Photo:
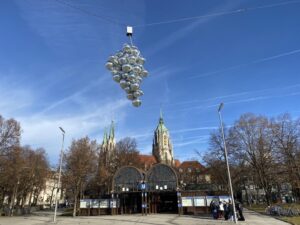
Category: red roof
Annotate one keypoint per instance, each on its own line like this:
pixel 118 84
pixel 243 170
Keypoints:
pixel 176 163
pixel 147 159
pixel 191 164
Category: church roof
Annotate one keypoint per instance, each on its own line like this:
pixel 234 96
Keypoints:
pixel 161 126
pixel 191 164
pixel 147 159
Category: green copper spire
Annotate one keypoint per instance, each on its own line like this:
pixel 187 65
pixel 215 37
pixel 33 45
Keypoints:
pixel 104 137
pixel 112 130
pixel 161 126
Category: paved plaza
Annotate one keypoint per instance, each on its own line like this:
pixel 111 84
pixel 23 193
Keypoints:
pixel 252 218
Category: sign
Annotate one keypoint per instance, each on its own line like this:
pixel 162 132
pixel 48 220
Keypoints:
pixel 84 203
pixel 113 203
pixel 187 201
pixel 95 203
pixel 104 203
pixel 199 201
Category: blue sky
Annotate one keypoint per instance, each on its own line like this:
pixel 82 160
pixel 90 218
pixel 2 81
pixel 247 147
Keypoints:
pixel 52 67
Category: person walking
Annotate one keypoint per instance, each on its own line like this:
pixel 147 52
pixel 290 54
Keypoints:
pixel 239 208
pixel 221 210
pixel 214 209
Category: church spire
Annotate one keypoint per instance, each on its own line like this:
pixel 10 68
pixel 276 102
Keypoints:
pixel 104 142
pixel 161 120
pixel 112 130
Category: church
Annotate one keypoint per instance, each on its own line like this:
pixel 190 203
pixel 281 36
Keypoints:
pixel 159 183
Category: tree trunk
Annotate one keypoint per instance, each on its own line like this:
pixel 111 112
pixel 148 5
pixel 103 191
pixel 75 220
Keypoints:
pixel 75 207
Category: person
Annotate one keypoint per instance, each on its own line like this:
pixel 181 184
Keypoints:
pixel 239 208
pixel 214 209
pixel 230 210
pixel 225 210
pixel 221 210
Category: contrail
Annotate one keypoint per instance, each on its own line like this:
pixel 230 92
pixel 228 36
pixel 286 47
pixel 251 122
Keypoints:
pixel 246 64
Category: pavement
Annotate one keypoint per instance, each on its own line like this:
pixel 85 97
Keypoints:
pixel 252 218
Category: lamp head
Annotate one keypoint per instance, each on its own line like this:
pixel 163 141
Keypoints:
pixel 221 107
pixel 62 130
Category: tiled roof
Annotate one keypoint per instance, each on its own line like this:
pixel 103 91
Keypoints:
pixel 191 164
pixel 176 163
pixel 147 159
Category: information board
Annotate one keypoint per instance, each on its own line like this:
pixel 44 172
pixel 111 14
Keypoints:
pixel 199 201
pixel 84 203
pixel 113 203
pixel 104 203
pixel 187 201
pixel 94 203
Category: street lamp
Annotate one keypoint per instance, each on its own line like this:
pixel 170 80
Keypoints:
pixel 227 164
pixel 59 174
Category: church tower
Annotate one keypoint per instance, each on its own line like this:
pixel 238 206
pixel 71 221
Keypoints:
pixel 162 148
pixel 109 144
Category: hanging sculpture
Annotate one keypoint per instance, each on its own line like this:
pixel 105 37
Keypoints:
pixel 127 69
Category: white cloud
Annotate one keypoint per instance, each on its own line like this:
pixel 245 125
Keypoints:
pixel 42 131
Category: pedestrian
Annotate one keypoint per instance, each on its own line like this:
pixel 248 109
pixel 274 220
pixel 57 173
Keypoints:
pixel 214 209
pixel 239 208
pixel 221 210
pixel 225 210
pixel 230 210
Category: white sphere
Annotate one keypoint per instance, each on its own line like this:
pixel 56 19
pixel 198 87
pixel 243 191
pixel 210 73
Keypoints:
pixel 136 102
pixel 134 86
pixel 109 65
pixel 144 73
pixel 122 60
pixel 132 59
pixel 140 60
pixel 137 69
pixel 130 96
pixel 127 89
pixel 123 84
pixel 117 78
pixel 126 68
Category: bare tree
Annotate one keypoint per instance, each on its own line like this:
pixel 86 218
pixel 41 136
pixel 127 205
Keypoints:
pixel 10 133
pixel 253 140
pixel 79 167
pixel 286 132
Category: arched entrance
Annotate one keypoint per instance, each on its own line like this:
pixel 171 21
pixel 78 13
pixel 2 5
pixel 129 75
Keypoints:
pixel 162 184
pixel 125 185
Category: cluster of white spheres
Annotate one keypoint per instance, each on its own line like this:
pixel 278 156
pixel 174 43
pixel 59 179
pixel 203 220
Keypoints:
pixel 127 69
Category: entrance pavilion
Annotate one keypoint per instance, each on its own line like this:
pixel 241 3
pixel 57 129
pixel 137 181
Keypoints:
pixel 152 192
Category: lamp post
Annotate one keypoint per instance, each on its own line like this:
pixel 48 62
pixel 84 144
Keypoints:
pixel 59 174
pixel 227 164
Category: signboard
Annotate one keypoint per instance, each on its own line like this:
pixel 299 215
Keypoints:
pixel 104 203
pixel 94 203
pixel 84 203
pixel 113 203
pixel 187 201
pixel 199 201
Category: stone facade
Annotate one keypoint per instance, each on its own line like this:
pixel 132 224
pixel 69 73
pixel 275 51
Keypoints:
pixel 162 148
